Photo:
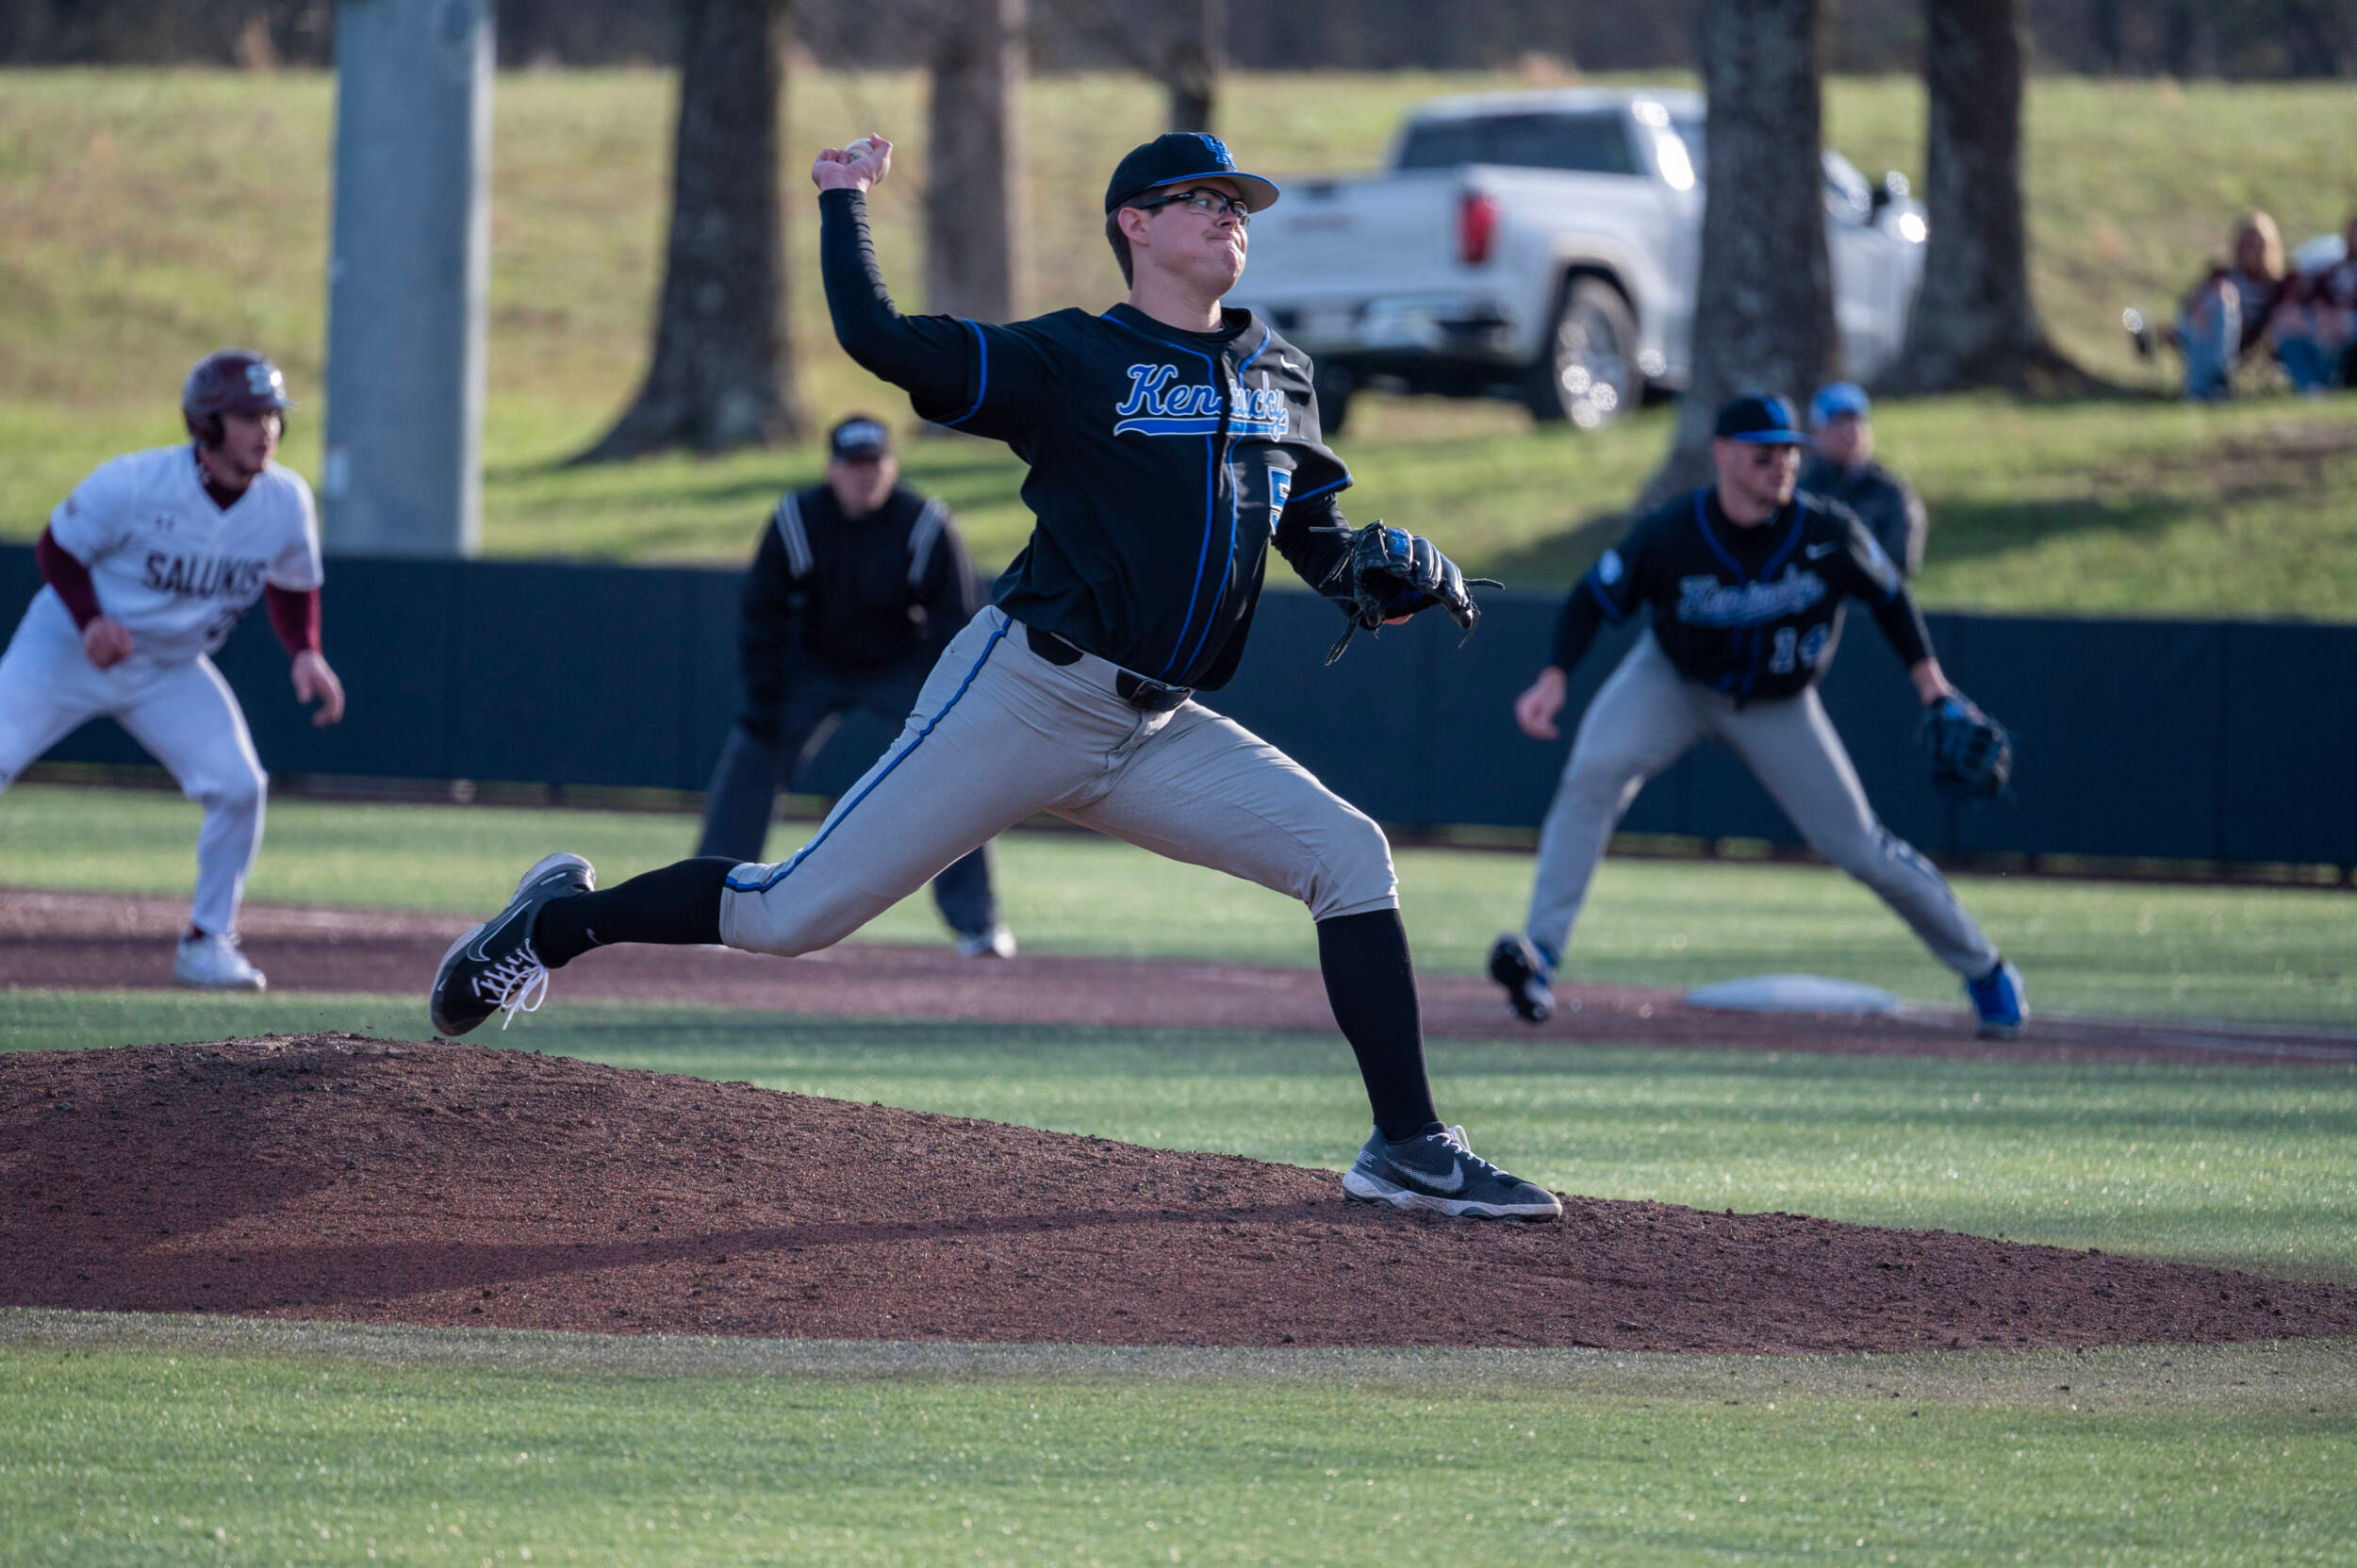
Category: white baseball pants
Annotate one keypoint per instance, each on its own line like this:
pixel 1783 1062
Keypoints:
pixel 1645 716
pixel 184 714
pixel 999 733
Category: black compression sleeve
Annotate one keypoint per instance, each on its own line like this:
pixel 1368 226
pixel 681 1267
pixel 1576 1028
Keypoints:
pixel 925 356
pixel 1577 627
pixel 1903 622
pixel 1313 552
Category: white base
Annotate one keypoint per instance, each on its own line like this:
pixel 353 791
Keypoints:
pixel 1792 994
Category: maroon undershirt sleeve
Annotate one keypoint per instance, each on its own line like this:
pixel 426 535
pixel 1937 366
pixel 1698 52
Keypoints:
pixel 69 577
pixel 295 617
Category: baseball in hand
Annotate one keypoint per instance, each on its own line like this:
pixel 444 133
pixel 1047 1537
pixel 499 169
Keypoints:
pixel 864 147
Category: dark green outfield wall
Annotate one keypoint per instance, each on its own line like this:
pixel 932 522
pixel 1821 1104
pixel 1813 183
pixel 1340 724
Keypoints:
pixel 2185 740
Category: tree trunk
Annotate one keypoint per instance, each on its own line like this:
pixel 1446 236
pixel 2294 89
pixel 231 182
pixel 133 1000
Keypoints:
pixel 1974 324
pixel 1763 313
pixel 722 374
pixel 1191 62
pixel 973 176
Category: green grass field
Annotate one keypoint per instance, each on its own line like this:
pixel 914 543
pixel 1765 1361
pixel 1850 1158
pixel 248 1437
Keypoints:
pixel 154 1443
pixel 146 217
pixel 138 1440
pixel 2121 948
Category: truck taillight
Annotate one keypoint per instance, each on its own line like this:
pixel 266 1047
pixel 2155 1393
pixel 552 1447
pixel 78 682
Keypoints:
pixel 1476 226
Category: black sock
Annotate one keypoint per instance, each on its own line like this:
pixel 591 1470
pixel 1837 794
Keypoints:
pixel 677 906
pixel 1372 986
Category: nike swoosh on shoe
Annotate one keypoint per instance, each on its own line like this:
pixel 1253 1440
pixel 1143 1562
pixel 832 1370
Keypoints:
pixel 476 951
pixel 1453 1182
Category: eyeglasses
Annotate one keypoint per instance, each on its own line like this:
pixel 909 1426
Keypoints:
pixel 1212 204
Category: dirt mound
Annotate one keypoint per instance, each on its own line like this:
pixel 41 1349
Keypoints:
pixel 331 1176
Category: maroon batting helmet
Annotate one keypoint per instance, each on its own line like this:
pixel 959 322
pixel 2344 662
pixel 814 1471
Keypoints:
pixel 232 381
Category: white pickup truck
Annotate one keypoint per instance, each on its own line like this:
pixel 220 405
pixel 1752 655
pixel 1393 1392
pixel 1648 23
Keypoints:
pixel 1543 246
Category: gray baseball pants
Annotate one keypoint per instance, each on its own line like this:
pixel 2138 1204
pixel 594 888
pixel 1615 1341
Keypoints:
pixel 1645 716
pixel 999 733
pixel 745 781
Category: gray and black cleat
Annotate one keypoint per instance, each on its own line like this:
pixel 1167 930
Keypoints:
pixel 493 967
pixel 1438 1172
pixel 1516 963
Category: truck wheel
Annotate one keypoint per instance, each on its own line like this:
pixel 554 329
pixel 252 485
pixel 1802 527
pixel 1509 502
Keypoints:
pixel 1589 372
pixel 1332 385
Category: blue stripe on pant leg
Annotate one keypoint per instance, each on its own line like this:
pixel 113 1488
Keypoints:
pixel 849 806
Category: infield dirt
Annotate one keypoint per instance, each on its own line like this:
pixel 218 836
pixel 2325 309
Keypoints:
pixel 63 940
pixel 330 1176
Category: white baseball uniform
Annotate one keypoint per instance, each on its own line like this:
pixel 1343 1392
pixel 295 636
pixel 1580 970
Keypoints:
pixel 179 571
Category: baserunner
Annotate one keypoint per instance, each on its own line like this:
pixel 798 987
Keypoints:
pixel 1171 443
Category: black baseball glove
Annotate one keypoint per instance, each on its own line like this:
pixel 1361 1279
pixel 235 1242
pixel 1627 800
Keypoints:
pixel 1388 572
pixel 1971 753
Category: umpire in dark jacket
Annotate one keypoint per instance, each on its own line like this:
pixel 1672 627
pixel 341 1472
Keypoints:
pixel 1841 467
pixel 858 585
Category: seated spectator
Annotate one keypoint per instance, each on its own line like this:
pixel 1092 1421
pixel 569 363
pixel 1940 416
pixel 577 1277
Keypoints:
pixel 2226 315
pixel 1841 467
pixel 2315 328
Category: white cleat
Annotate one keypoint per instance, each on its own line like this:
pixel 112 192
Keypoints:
pixel 998 942
pixel 213 963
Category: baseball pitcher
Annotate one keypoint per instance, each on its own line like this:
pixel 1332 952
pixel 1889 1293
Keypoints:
pixel 1173 445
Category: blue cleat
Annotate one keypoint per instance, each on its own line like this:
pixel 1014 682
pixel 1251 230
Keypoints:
pixel 1997 998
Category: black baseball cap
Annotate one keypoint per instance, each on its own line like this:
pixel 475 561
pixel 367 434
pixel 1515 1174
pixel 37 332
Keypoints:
pixel 859 436
pixel 1178 157
pixel 1759 420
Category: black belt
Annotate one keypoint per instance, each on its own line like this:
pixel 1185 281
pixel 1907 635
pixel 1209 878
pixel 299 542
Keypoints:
pixel 1140 693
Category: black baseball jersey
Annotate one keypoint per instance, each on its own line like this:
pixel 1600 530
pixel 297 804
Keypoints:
pixel 1754 611
pixel 1887 504
pixel 1164 463
pixel 851 593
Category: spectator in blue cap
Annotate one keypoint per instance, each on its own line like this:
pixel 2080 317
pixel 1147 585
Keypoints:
pixel 1841 467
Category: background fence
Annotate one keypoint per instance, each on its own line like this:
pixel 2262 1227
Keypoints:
pixel 2181 740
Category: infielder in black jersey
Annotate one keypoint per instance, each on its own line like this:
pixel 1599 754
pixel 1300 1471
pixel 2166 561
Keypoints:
pixel 1172 443
pixel 1746 582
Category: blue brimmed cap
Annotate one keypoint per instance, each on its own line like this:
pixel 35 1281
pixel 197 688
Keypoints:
pixel 1836 398
pixel 1176 157
pixel 1760 420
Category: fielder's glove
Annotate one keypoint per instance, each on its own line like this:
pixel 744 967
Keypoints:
pixel 1389 572
pixel 1971 753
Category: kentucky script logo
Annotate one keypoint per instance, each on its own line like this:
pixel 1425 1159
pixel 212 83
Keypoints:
pixel 1707 601
pixel 1160 403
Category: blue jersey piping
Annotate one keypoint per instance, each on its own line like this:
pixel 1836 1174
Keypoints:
pixel 1612 612
pixel 1211 489
pixel 981 388
pixel 1235 500
pixel 844 810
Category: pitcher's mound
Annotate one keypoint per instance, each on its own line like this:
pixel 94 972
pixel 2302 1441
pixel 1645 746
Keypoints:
pixel 332 1176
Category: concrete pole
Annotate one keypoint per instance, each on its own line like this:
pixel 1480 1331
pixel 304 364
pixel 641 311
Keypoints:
pixel 409 277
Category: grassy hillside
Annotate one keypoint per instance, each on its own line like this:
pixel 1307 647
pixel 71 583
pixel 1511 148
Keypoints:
pixel 146 217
